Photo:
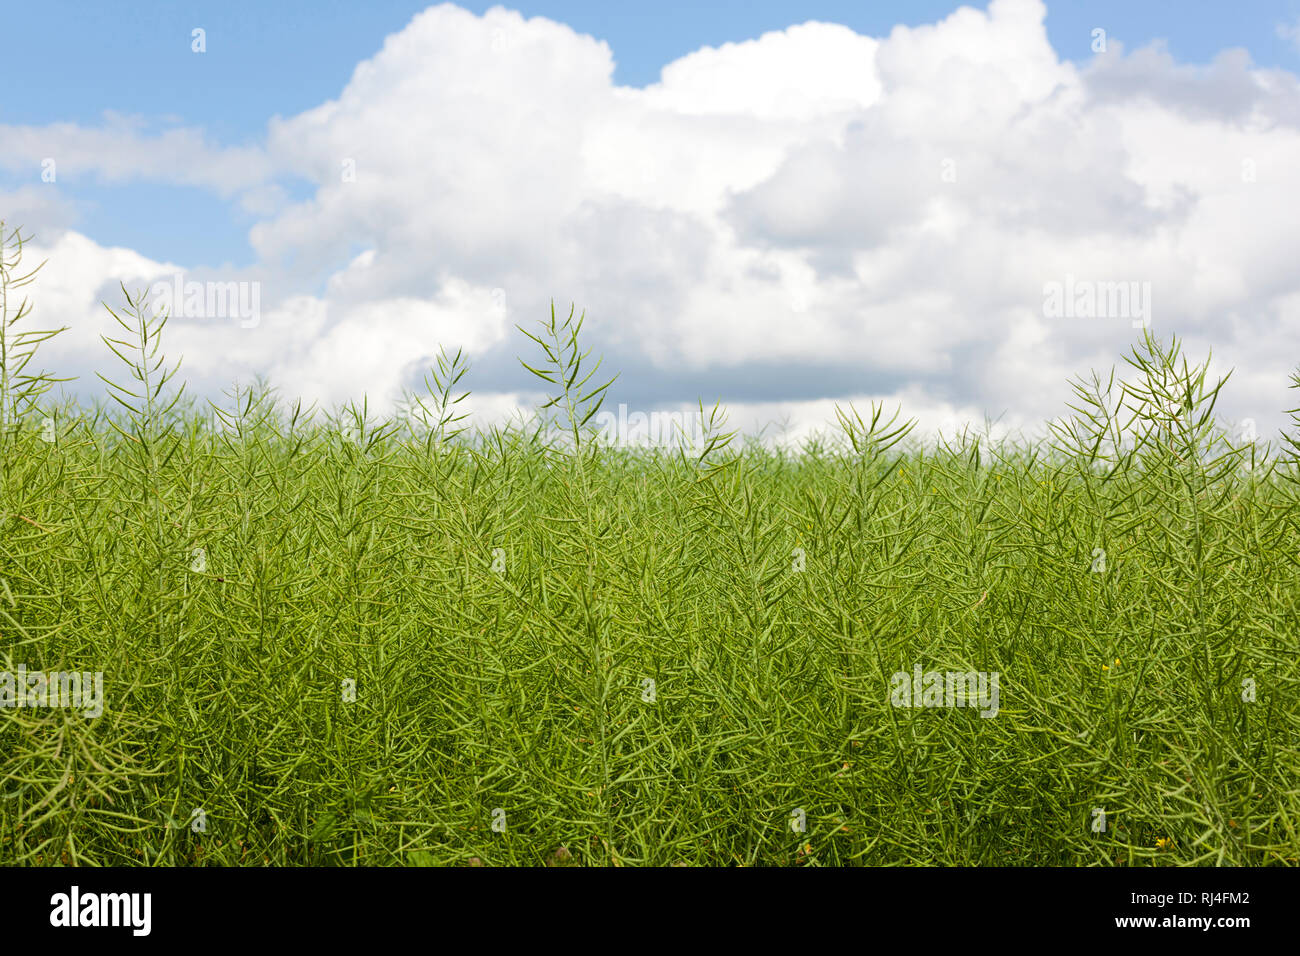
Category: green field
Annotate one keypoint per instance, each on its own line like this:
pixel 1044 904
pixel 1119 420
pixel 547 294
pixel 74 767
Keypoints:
pixel 328 640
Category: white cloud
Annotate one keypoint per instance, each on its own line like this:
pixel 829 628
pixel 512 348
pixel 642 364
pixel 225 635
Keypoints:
pixel 843 215
pixel 122 151
pixel 36 204
pixel 799 73
pixel 379 345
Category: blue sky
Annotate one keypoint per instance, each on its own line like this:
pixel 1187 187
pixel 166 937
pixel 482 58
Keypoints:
pixel 79 58
pixel 777 216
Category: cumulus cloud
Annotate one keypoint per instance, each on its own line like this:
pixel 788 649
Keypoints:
pixel 31 204
pixel 1228 90
pixel 807 217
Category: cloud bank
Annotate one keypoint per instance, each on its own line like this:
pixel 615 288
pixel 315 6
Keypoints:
pixel 806 218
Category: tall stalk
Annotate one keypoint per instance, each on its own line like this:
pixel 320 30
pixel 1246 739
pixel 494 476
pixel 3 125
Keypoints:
pixel 19 389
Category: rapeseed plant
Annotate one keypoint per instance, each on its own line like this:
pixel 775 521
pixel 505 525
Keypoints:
pixel 413 643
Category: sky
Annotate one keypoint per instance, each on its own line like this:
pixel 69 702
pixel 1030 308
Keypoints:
pixel 783 207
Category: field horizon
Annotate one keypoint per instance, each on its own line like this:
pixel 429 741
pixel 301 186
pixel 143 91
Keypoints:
pixel 252 635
